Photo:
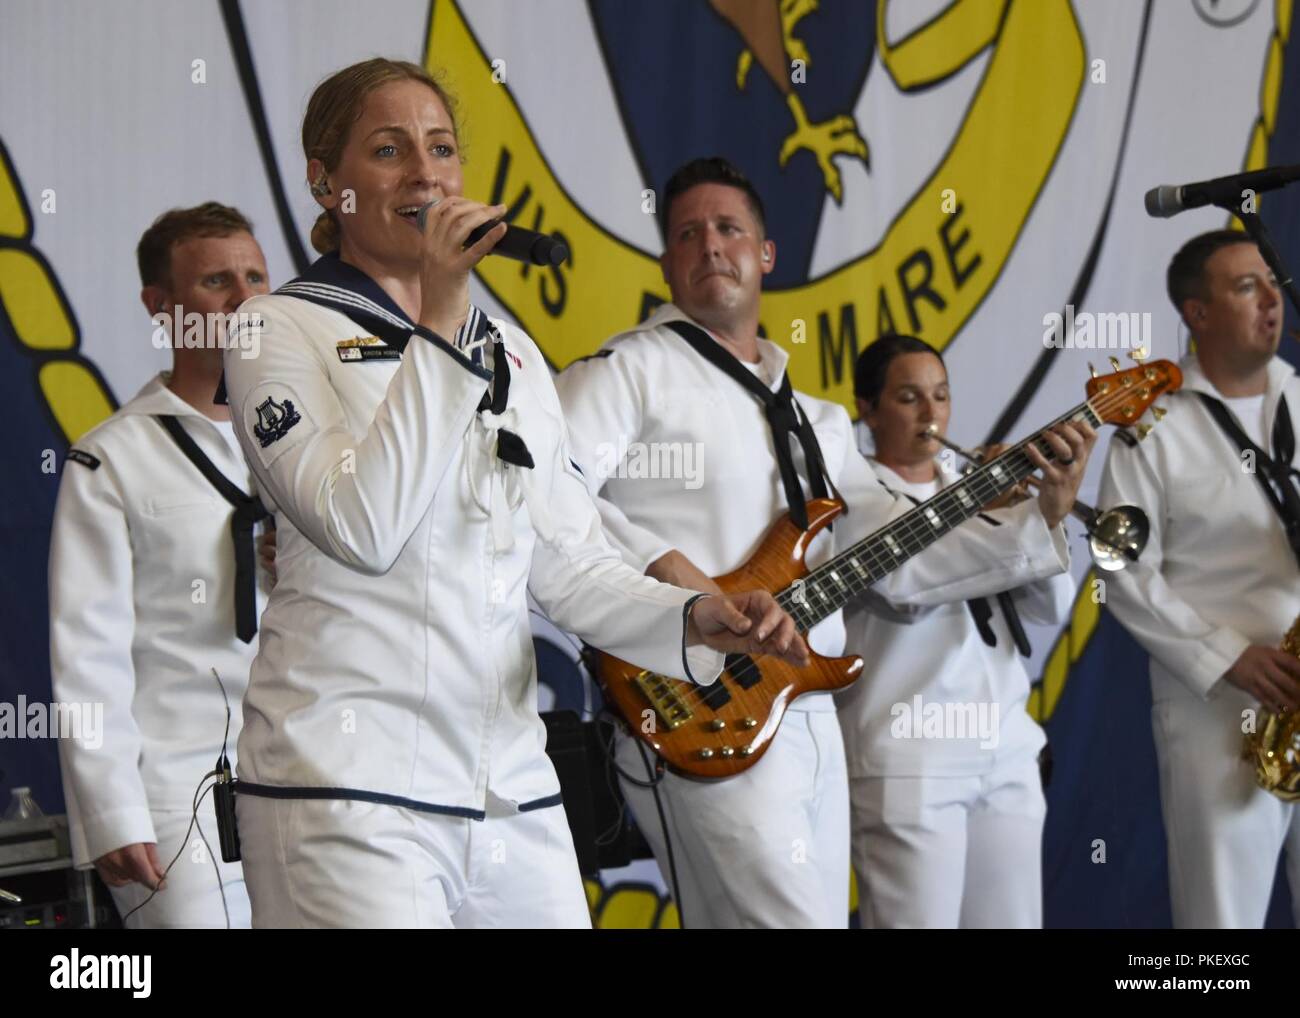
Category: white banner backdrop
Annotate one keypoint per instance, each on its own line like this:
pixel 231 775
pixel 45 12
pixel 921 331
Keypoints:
pixel 1010 144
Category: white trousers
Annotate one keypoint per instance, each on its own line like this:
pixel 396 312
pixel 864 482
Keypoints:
pixel 192 896
pixel 1224 833
pixel 950 852
pixel 766 848
pixel 351 864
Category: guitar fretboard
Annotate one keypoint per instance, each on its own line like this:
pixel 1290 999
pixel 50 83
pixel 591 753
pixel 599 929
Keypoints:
pixel 826 589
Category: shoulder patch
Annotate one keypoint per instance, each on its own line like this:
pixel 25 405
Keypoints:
pixel 274 420
pixel 84 458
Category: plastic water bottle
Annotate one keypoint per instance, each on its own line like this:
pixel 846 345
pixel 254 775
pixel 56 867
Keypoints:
pixel 22 806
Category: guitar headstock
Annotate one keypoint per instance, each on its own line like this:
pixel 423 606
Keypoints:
pixel 1122 397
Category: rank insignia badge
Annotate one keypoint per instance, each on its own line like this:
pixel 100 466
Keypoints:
pixel 365 348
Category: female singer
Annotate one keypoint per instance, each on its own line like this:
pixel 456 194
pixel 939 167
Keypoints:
pixel 392 768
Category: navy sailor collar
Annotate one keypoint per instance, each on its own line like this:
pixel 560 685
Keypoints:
pixel 333 283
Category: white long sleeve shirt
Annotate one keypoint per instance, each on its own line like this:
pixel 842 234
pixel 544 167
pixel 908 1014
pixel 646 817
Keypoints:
pixel 647 400
pixel 396 662
pixel 937 653
pixel 142 582
pixel 1217 574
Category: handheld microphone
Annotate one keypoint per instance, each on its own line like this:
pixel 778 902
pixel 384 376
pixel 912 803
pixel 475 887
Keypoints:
pixel 1166 200
pixel 518 243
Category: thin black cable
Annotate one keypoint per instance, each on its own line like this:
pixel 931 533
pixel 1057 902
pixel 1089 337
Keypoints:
pixel 611 833
pixel 216 867
pixel 225 738
pixel 199 793
pixel 609 755
pixel 668 841
pixel 656 776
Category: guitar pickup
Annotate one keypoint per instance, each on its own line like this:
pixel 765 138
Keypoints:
pixel 715 695
pixel 743 671
pixel 664 698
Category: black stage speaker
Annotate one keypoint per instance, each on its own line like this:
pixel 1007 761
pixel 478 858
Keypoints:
pixel 603 832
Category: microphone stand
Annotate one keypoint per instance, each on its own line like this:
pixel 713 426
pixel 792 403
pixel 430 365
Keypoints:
pixel 1260 235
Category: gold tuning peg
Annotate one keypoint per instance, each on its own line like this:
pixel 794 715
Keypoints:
pixel 1092 369
pixel 1140 354
pixel 1114 363
pixel 1158 412
pixel 1143 430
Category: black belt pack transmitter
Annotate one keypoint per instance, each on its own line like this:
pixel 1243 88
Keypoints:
pixel 223 797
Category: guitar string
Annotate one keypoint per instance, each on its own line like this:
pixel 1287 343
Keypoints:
pixel 1098 406
pixel 912 530
pixel 916 531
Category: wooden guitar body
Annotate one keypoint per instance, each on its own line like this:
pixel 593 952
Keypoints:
pixel 713 732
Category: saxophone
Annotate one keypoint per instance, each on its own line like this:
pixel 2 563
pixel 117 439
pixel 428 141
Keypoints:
pixel 1274 746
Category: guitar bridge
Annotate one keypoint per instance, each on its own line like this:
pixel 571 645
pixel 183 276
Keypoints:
pixel 664 698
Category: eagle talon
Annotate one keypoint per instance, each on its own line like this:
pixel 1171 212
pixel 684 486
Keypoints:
pixel 743 63
pixel 837 136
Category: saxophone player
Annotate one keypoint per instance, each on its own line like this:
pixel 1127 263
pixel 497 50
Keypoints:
pixel 1216 586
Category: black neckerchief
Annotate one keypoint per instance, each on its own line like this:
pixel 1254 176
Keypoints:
pixel 248 511
pixel 783 417
pixel 510 447
pixel 1274 473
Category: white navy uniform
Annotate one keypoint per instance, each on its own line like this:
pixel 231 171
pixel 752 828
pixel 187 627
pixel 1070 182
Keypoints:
pixel 947 822
pixel 142 608
pixel 1217 575
pixel 392 767
pixel 768 847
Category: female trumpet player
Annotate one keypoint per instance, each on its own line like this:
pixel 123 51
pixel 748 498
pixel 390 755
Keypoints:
pixel 392 768
pixel 947 805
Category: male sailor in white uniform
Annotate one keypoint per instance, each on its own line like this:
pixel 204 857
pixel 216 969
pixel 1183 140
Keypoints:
pixel 768 847
pixel 1218 585
pixel 154 583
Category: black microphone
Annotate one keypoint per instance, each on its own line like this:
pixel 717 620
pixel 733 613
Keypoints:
pixel 518 243
pixel 1166 200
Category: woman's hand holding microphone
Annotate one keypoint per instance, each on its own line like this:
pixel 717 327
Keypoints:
pixel 445 262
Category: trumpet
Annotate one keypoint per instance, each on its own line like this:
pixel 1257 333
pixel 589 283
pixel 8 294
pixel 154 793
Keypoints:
pixel 1116 536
